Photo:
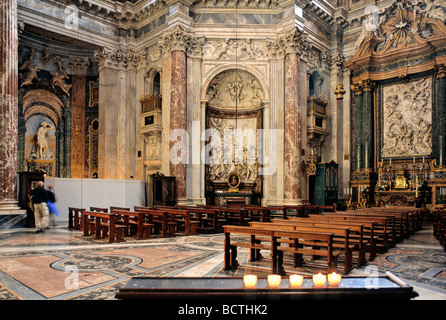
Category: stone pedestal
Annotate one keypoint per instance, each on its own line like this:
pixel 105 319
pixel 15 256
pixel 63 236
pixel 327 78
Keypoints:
pixel 8 106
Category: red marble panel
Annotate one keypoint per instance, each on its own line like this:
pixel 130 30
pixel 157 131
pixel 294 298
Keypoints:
pixel 178 114
pixel 292 128
pixel 8 98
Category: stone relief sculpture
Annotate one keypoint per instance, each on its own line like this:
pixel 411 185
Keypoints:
pixel 235 87
pixel 434 9
pixel 221 162
pixel 407 116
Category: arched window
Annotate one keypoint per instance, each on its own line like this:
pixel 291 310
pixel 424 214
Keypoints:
pixel 157 83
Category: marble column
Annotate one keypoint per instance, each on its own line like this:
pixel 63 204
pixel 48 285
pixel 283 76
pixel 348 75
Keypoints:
pixel 178 116
pixel 8 105
pixel 367 126
pixel 357 89
pixel 441 116
pixel 293 144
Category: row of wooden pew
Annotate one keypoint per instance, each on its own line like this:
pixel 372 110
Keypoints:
pixel 440 227
pixel 350 236
pixel 117 222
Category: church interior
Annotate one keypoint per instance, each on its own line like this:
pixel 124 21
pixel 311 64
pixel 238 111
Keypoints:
pixel 221 139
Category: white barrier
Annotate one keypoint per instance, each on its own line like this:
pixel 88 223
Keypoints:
pixel 83 193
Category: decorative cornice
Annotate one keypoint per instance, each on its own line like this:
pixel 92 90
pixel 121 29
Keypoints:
pixel 239 4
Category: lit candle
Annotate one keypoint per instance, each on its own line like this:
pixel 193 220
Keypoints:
pixel 319 280
pixel 296 280
pixel 414 160
pixel 334 279
pixel 390 161
pixel 250 281
pixel 274 280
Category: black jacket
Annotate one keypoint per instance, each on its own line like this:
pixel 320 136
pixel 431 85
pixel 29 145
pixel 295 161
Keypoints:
pixel 39 195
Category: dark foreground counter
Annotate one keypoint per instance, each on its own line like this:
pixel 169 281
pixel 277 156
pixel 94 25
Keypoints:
pixel 387 287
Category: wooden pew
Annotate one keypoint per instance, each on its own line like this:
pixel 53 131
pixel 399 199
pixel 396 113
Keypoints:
pixel 209 220
pixel 98 209
pixel 323 242
pixel 160 219
pixel 234 215
pixel 439 227
pixel 385 226
pixel 132 220
pixel 184 219
pixel 341 236
pixel 230 249
pixel 75 218
pixel 105 224
pixel 257 213
pixel 362 233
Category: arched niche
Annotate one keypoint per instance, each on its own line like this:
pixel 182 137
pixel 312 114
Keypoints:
pixel 234 99
pixel 42 107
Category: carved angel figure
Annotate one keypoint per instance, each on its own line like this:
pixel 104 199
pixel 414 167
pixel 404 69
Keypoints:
pixel 59 80
pixel 29 76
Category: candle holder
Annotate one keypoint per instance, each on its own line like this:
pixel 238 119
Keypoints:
pixel 334 279
pixel 349 196
pixel 250 281
pixel 274 281
pixel 296 280
pixel 319 280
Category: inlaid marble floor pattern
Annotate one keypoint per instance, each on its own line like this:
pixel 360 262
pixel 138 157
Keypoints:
pixel 61 264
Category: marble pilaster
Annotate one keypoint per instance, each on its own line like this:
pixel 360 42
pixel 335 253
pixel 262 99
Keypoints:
pixel 367 126
pixel 293 138
pixel 8 105
pixel 358 91
pixel 441 117
pixel 117 114
pixel 178 115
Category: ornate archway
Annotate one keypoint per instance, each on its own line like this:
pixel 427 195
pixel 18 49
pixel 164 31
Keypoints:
pixel 234 114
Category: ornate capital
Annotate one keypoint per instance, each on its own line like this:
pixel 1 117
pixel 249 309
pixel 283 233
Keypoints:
pixel 441 71
pixel 357 88
pixel 368 85
pixel 179 38
pixel 117 59
pixel 292 41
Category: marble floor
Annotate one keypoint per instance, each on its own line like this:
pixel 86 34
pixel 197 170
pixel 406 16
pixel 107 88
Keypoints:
pixel 62 264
